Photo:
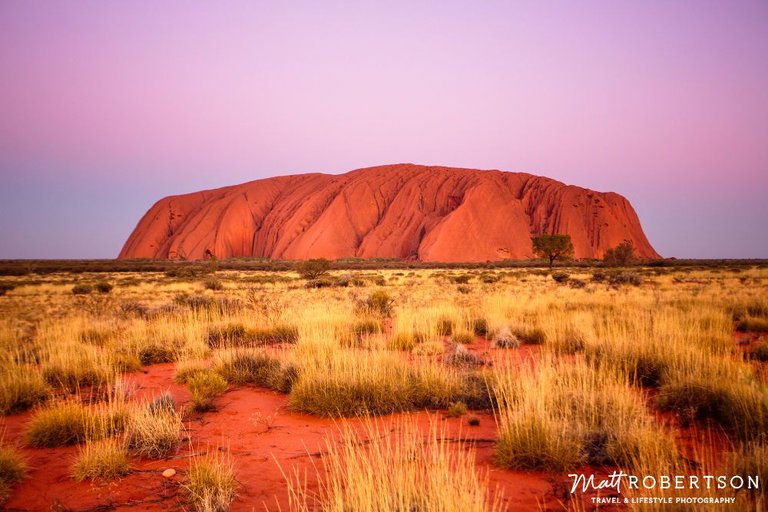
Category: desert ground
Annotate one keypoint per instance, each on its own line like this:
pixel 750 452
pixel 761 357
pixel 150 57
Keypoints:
pixel 379 389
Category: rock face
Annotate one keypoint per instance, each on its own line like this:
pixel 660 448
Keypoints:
pixel 394 211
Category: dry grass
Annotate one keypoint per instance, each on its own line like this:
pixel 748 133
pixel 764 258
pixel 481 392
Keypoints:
pixel 211 486
pixel 12 470
pixel 395 467
pixel 560 415
pixel 101 460
pixel 364 350
pixel 153 432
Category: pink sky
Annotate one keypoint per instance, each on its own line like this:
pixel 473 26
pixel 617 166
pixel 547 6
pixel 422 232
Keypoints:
pixel 107 106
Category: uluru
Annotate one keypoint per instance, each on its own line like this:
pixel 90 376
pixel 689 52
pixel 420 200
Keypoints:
pixel 404 211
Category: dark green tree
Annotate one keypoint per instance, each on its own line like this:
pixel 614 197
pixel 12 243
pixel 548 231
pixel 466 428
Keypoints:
pixel 621 255
pixel 553 247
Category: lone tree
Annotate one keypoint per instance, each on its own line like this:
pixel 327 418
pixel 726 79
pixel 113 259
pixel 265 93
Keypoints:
pixel 620 255
pixel 313 269
pixel 553 247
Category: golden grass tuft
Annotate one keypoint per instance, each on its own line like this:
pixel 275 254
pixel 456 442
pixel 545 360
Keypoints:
pixel 101 460
pixel 395 467
pixel 211 486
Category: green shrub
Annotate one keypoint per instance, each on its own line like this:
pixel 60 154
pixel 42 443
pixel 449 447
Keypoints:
pixel 560 277
pixel 5 288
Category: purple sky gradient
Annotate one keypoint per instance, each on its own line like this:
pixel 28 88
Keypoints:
pixel 107 106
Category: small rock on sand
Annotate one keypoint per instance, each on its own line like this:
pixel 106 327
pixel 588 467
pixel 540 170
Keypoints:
pixel 168 473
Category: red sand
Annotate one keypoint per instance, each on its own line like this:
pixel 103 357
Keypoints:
pixel 258 430
pixel 394 211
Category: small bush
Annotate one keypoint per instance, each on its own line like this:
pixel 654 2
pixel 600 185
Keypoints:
pixel 463 337
pixel 12 470
pixel 571 343
pixel 599 277
pixel 480 326
pixel 212 486
pixel 102 460
pixel 462 357
pixel 367 327
pixel 20 389
pixel 282 333
pixel 531 335
pixel 464 289
pixel 156 354
pixel 428 348
pixel 205 386
pixel 313 269
pixel 195 302
pixel 457 409
pixel 213 283
pixel 81 289
pixel 729 404
pixel 73 375
pixel 576 283
pixel 444 327
pixel 505 339
pixel 760 351
pixel 753 325
pixel 625 278
pixel 750 460
pixel 229 335
pixel 5 288
pixel 61 424
pixel 153 434
pixel 96 337
pixel 377 303
pixel 257 368
pixel 560 277
pixel 163 404
pixel 103 287
pixel 134 308
pixel 461 279
pixel 405 341
pixel 123 362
